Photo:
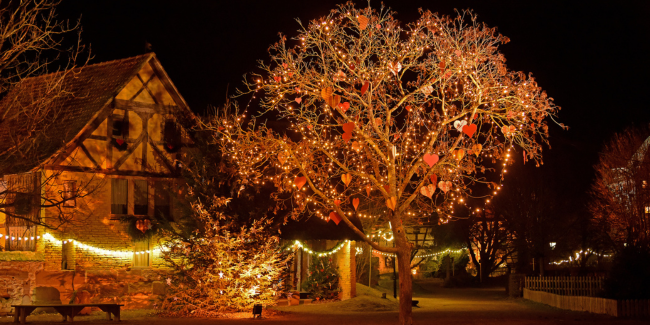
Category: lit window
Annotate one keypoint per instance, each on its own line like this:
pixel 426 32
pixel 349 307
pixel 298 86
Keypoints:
pixel 119 195
pixel 140 198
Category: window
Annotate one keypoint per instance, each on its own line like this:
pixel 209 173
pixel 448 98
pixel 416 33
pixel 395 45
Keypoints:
pixel 140 256
pixel 67 255
pixel 69 194
pixel 172 136
pixel 162 209
pixel 120 127
pixel 140 197
pixel 119 196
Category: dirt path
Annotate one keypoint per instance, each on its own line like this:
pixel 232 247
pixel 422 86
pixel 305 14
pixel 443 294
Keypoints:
pixel 440 306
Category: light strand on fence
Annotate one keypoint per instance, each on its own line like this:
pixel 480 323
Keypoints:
pixel 98 250
pixel 297 244
pixel 447 251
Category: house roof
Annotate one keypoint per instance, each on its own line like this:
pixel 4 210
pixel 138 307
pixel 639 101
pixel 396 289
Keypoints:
pixel 86 91
pixel 317 228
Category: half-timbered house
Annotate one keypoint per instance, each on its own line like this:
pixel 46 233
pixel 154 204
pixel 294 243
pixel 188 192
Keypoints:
pixel 110 151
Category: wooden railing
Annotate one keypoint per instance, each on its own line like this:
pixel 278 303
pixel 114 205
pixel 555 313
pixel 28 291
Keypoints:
pixel 566 286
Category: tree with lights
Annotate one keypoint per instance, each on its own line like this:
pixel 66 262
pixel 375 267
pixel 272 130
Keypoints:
pixel 621 194
pixel 222 266
pixel 405 118
pixel 323 280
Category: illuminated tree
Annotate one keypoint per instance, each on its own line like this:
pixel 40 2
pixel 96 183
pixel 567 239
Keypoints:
pixel 223 266
pixel 381 115
pixel 621 194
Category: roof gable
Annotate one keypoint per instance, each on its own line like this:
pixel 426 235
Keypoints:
pixel 87 91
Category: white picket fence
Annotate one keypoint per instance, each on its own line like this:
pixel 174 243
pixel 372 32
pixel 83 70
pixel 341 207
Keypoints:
pixel 616 308
pixel 566 286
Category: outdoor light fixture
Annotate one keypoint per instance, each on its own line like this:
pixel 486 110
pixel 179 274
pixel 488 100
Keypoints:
pixel 552 244
pixel 257 311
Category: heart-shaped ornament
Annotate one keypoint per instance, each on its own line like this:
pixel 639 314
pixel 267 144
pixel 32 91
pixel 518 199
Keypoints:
pixel 444 186
pixel 459 125
pixel 119 141
pixel 408 108
pixel 298 100
pixel 284 65
pixel 277 79
pixel 346 178
pixel 363 22
pixel 355 203
pixel 391 203
pixel 427 90
pixel 326 93
pixel 297 89
pixel 335 217
pixel 344 106
pixel 364 88
pixel 430 159
pixel 368 189
pixel 427 190
pixel 300 181
pixel 469 129
pixel 459 154
pixel 337 202
pixel 334 101
pixel 434 179
pixel 356 145
pixel 348 127
pixel 476 149
pixel 282 158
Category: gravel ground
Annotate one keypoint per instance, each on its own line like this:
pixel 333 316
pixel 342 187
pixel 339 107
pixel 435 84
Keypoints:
pixel 438 306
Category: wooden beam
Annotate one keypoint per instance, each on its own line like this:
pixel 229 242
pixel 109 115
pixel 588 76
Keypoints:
pixel 143 107
pixel 85 150
pixel 108 171
pixel 129 151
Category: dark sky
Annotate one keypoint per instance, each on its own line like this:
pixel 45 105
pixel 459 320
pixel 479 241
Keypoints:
pixel 591 56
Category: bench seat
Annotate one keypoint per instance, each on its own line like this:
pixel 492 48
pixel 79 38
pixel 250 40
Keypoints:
pixel 67 311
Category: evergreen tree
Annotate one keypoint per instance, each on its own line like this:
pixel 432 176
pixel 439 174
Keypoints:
pixel 323 281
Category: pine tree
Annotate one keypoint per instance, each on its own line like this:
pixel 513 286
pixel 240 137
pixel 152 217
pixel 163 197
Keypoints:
pixel 323 281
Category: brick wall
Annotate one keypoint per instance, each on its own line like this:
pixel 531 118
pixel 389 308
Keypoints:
pixel 346 262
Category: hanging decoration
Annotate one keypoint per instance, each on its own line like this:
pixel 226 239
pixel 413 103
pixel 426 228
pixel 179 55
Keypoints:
pixel 300 181
pixel 430 159
pixel 98 250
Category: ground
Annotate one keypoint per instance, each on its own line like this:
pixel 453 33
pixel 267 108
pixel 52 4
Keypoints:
pixel 440 306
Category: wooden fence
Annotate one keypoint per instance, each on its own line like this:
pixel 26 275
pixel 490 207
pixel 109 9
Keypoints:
pixel 566 286
pixel 616 308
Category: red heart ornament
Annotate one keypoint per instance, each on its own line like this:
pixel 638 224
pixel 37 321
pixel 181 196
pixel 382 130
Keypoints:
pixel 434 179
pixel 408 108
pixel 364 88
pixel 277 78
pixel 119 141
pixel 335 217
pixel 430 159
pixel 368 189
pixel 469 129
pixel 300 181
pixel 337 202
pixel 352 67
pixel 344 106
pixel 355 203
pixel 348 127
pixel 298 100
pixel 346 136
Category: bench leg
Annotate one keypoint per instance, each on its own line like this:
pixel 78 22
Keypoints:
pixel 16 314
pixel 23 315
pixel 108 315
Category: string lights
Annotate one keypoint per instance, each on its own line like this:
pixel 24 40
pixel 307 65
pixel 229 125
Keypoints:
pixel 447 251
pixel 48 237
pixel 297 244
pixel 579 255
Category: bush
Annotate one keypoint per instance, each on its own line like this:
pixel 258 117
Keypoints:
pixel 629 277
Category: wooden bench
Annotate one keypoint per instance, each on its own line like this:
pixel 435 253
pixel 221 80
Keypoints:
pixel 22 311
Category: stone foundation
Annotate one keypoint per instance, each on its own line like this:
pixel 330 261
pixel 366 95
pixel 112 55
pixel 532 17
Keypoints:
pixel 135 288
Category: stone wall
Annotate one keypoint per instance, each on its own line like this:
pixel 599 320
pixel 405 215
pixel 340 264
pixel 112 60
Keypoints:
pixel 21 281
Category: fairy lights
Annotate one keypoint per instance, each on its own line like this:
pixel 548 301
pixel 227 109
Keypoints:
pixel 48 237
pixel 578 255
pixel 297 244
pixel 447 251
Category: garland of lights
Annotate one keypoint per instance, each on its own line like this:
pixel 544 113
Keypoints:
pixel 98 250
pixel 425 255
pixel 578 255
pixel 297 244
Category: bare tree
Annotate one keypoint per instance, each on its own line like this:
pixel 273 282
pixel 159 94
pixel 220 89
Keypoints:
pixel 381 114
pixel 34 68
pixel 621 193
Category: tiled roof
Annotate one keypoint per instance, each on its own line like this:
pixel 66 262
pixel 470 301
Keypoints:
pixel 86 91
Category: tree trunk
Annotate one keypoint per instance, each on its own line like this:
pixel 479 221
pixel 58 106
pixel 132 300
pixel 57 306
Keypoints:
pixel 405 280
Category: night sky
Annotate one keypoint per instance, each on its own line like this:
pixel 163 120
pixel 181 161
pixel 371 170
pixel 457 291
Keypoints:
pixel 591 56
